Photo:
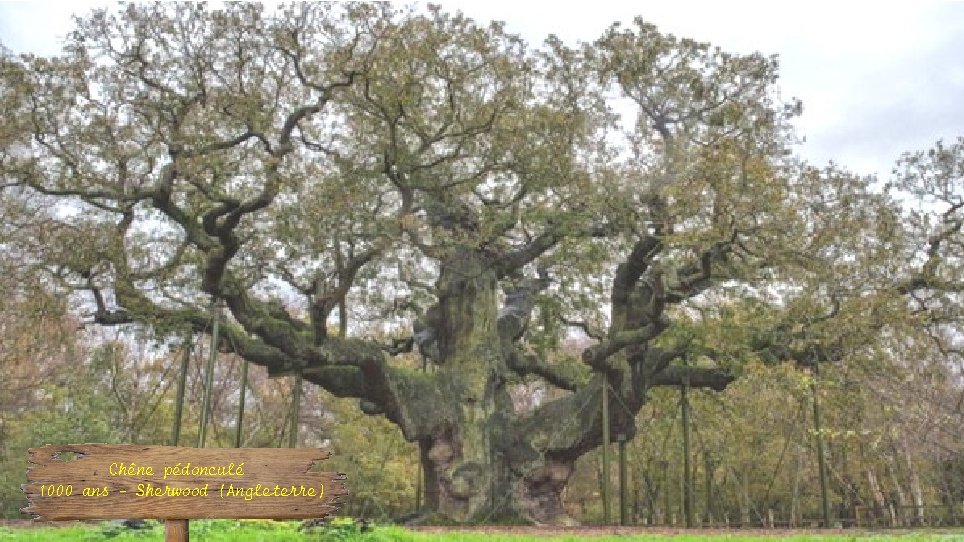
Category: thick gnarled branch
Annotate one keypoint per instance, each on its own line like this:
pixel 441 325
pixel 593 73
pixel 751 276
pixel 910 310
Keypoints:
pixel 525 364
pixel 696 377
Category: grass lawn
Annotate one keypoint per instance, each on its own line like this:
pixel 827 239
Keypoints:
pixel 258 530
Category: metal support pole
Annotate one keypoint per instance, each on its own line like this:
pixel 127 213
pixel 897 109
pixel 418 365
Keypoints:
pixel 295 411
pixel 181 385
pixel 418 484
pixel 243 392
pixel 419 474
pixel 623 486
pixel 687 468
pixel 821 455
pixel 605 449
pixel 708 465
pixel 209 375
pixel 664 468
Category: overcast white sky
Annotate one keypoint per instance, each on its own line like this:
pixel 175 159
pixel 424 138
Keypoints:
pixel 876 78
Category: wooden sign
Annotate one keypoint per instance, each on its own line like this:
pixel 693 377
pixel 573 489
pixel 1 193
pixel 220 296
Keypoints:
pixel 116 481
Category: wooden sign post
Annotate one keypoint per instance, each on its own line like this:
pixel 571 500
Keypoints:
pixel 121 481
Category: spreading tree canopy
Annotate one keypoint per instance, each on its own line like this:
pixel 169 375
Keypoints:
pixel 320 168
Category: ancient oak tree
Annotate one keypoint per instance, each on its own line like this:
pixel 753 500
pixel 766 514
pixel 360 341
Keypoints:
pixel 319 160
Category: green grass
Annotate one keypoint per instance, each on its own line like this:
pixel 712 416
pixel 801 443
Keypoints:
pixel 261 530
pixel 407 536
pixel 480 537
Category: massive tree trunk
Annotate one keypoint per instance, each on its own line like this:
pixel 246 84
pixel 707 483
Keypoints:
pixel 464 469
pixel 481 459
pixel 478 465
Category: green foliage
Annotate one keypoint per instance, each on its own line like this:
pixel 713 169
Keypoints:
pixel 381 464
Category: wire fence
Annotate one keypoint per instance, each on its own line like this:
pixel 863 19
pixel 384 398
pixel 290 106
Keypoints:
pixel 864 517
